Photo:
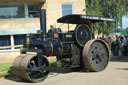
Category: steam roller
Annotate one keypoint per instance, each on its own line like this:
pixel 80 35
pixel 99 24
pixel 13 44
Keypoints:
pixel 25 67
pixel 75 48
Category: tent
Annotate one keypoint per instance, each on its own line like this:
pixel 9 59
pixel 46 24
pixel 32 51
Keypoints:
pixel 124 33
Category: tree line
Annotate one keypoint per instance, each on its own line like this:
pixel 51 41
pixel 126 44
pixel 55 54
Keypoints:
pixel 115 9
pixel 121 30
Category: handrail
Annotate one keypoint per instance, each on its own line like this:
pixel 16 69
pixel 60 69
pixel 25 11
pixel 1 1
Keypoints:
pixel 16 46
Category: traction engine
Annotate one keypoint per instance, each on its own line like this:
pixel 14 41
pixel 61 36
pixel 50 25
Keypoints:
pixel 76 47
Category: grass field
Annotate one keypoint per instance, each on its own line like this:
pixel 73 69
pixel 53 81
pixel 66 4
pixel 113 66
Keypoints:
pixel 5 68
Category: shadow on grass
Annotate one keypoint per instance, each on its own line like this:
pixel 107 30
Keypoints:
pixel 8 73
pixel 10 76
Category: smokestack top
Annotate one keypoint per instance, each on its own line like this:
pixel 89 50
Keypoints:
pixel 43 22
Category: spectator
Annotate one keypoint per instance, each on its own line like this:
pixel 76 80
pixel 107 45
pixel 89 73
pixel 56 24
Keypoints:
pixel 117 45
pixel 113 46
pixel 127 46
pixel 123 44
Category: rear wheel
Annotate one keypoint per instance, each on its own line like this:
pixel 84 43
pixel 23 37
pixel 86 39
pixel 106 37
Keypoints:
pixel 96 55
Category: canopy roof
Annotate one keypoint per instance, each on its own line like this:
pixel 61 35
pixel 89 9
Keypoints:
pixel 81 19
pixel 124 33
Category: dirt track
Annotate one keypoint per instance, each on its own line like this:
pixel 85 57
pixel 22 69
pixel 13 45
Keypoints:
pixel 115 74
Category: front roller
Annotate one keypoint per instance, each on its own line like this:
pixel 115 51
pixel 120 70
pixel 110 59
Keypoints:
pixel 95 55
pixel 26 67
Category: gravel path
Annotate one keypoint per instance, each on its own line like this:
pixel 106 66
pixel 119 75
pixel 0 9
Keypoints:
pixel 115 74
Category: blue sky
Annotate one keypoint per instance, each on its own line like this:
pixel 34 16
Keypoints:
pixel 125 22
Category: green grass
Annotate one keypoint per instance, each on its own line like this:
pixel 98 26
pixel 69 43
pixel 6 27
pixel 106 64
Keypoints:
pixel 7 74
pixel 53 63
pixel 5 70
pixel 5 66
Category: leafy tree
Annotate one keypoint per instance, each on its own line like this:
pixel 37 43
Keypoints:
pixel 126 29
pixel 119 30
pixel 107 8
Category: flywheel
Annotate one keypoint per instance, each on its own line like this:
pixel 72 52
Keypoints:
pixel 82 34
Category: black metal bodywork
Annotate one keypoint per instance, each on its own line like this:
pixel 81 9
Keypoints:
pixel 68 47
pixel 63 45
